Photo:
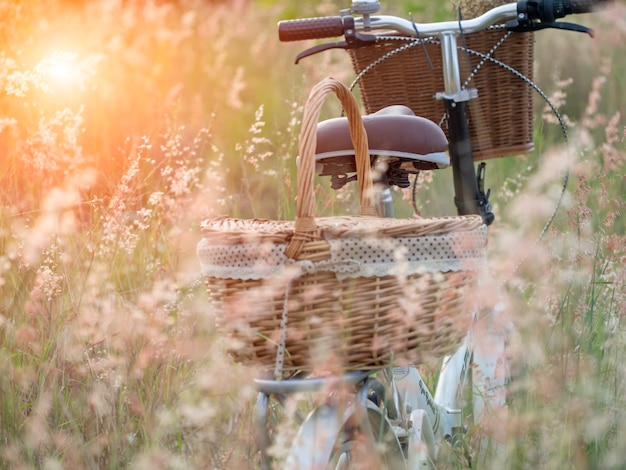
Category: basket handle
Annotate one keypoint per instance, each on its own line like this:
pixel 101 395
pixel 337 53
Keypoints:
pixel 305 226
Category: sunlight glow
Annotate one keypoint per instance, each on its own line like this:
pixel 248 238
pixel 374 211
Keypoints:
pixel 61 69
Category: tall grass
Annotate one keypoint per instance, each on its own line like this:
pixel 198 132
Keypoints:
pixel 568 299
pixel 123 124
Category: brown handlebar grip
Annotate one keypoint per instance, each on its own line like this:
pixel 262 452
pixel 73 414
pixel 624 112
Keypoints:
pixel 310 28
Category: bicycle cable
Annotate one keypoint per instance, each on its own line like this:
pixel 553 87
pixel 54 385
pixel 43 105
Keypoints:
pixel 557 114
pixel 412 42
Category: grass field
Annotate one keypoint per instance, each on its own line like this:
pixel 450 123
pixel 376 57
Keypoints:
pixel 124 124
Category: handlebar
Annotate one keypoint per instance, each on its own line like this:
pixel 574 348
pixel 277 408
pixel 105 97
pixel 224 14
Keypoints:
pixel 546 11
pixel 316 28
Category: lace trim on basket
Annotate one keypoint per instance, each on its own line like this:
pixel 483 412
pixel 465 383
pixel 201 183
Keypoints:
pixel 350 257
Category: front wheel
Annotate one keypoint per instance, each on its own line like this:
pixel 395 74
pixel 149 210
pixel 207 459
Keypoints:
pixel 352 439
pixel 371 443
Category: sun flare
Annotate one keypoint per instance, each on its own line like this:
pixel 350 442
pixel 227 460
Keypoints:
pixel 62 71
pixel 61 68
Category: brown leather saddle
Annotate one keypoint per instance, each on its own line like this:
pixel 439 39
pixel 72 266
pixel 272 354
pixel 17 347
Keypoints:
pixel 400 141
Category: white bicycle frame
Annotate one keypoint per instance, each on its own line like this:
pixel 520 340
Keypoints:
pixel 420 422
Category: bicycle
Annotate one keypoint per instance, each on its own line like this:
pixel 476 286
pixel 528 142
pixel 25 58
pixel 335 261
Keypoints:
pixel 391 416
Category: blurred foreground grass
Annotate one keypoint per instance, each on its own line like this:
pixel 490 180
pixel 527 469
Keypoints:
pixel 123 124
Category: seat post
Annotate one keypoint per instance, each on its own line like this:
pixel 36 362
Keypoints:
pixel 384 201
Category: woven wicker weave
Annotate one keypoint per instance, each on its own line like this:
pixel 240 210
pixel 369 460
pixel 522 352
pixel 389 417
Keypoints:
pixel 350 292
pixel 501 118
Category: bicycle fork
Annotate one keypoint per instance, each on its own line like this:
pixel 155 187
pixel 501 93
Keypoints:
pixel 427 420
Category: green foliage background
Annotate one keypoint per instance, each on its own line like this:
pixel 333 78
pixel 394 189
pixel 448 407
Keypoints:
pixel 124 123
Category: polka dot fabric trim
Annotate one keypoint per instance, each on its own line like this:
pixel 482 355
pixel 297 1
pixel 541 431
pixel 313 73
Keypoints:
pixel 363 256
pixel 241 261
pixel 405 256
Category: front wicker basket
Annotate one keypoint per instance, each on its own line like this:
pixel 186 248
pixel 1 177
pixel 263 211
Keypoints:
pixel 501 118
pixel 341 293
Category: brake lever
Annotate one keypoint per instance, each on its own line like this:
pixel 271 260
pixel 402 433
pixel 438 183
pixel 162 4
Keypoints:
pixel 353 40
pixel 321 48
pixel 530 26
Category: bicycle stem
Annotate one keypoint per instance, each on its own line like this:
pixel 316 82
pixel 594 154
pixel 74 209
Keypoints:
pixel 469 196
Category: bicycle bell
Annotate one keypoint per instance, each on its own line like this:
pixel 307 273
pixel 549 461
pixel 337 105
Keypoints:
pixel 365 7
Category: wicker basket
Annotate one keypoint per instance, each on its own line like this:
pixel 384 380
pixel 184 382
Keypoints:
pixel 349 292
pixel 501 118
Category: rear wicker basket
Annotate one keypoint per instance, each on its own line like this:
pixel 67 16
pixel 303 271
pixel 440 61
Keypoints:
pixel 501 119
pixel 345 293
